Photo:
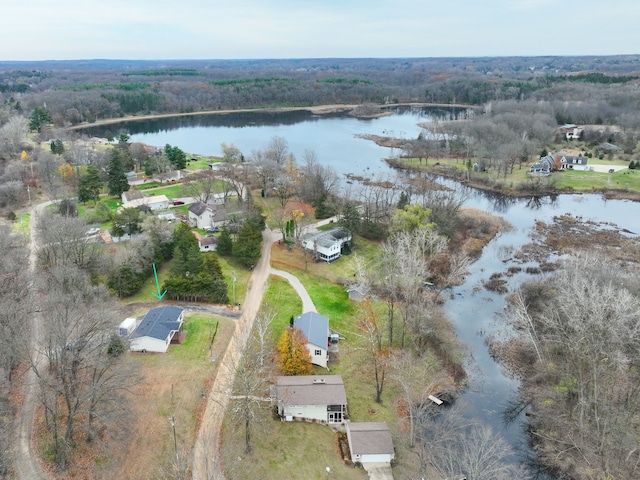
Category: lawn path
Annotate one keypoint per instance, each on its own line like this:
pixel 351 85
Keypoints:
pixel 307 303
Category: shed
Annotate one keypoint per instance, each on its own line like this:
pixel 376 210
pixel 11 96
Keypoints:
pixel 358 292
pixel 370 442
pixel 127 327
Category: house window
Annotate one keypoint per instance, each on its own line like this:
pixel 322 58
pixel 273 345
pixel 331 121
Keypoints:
pixel 317 353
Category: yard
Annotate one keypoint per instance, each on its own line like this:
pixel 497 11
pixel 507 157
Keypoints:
pixel 299 450
pixel 600 180
pixel 167 386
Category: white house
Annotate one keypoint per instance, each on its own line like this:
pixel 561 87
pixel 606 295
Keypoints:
pixel 316 328
pixel 326 245
pixel 155 202
pixel 206 216
pixel 217 199
pixel 370 442
pixel 319 398
pixel 157 329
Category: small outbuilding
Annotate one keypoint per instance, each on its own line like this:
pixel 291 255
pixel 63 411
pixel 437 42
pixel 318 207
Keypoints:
pixel 358 292
pixel 208 244
pixel 127 327
pixel 157 329
pixel 370 442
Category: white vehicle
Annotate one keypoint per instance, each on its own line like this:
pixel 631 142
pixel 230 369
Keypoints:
pixel 93 231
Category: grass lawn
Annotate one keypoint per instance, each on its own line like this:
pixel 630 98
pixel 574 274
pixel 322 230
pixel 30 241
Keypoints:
pixel 170 385
pixel 170 191
pixel 572 179
pixel 580 180
pixel 146 186
pixel 200 162
pixel 21 224
pixel 288 450
pixel 283 299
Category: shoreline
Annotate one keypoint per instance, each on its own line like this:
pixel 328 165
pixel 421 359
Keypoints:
pixel 314 109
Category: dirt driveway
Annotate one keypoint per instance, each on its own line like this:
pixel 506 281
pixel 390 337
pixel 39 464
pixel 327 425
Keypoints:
pixel 206 464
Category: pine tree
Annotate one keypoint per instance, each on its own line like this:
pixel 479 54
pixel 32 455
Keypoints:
pixel 117 178
pixel 247 245
pixel 293 354
pixel 90 185
pixel 225 243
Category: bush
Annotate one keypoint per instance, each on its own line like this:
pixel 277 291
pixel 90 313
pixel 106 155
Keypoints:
pixel 11 216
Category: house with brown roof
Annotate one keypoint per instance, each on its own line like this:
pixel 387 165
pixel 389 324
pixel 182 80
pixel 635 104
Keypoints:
pixel 315 398
pixel 370 442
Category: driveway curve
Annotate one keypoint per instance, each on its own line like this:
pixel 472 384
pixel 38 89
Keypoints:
pixel 307 303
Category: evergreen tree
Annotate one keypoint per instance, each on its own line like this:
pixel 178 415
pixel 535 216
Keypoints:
pixel 324 209
pixel 90 185
pixel 225 243
pixel 116 174
pixel 403 201
pixel 350 219
pixel 293 354
pixel 38 118
pixel 187 260
pixel 127 221
pixel 247 245
pixel 176 157
pixel 56 146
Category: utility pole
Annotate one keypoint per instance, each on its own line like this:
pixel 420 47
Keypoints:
pixel 175 441
pixel 234 286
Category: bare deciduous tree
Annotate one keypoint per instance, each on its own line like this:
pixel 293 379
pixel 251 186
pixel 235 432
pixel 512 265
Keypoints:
pixel 81 379
pixel 63 242
pixel 454 447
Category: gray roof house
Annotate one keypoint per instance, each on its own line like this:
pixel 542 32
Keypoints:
pixel 157 329
pixel 370 442
pixel 206 216
pixel 316 328
pixel 318 398
pixel 326 245
pixel 131 195
pixel 558 161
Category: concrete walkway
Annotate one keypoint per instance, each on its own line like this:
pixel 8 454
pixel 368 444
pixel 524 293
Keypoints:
pixel 378 471
pixel 307 303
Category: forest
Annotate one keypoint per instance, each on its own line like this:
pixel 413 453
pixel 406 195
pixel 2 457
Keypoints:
pixel 514 108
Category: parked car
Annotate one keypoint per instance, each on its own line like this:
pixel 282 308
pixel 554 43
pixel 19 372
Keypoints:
pixel 211 229
pixel 92 231
pixel 177 202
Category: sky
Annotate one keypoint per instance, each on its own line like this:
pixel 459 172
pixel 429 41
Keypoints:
pixel 256 29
